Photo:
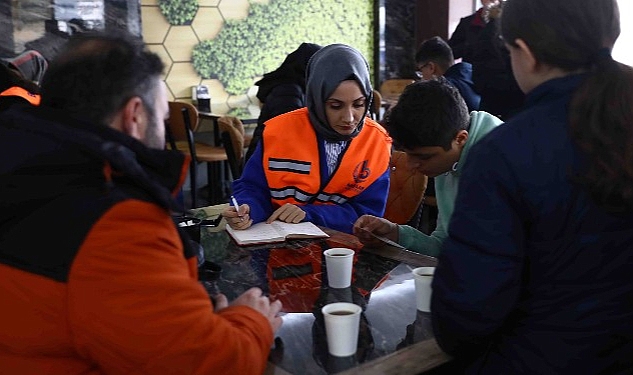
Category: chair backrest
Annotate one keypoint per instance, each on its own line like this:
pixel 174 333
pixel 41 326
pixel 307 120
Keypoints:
pixel 394 87
pixel 232 133
pixel 376 106
pixel 182 121
pixel 406 190
pixel 176 120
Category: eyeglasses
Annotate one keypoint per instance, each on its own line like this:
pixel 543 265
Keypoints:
pixel 419 73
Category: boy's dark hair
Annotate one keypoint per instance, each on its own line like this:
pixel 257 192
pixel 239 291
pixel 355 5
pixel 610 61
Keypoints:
pixel 576 36
pixel 97 73
pixel 437 50
pixel 428 113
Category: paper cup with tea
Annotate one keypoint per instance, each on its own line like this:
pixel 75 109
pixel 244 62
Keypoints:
pixel 423 276
pixel 339 262
pixel 342 320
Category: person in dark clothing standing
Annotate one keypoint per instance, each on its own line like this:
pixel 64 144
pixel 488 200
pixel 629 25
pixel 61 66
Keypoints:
pixel 434 58
pixel 492 71
pixel 535 275
pixel 464 39
pixel 283 89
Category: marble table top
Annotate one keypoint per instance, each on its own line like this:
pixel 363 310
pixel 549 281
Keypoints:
pixel 294 272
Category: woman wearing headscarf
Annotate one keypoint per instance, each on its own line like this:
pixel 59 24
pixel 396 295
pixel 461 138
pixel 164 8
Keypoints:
pixel 326 163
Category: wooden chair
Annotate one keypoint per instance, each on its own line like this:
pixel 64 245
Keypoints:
pixel 232 134
pixel 182 123
pixel 391 89
pixel 375 110
pixel 406 192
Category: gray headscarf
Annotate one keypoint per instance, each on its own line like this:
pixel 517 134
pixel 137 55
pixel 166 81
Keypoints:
pixel 327 68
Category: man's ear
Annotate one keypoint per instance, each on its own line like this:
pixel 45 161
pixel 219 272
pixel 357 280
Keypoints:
pixel 526 53
pixel 133 118
pixel 435 69
pixel 461 138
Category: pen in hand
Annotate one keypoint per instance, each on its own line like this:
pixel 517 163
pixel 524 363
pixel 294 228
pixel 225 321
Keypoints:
pixel 237 207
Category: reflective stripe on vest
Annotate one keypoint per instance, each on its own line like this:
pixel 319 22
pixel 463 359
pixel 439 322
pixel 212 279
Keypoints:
pixel 22 93
pixel 289 166
pixel 293 169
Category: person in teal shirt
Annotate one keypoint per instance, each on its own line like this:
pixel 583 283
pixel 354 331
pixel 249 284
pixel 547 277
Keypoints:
pixel 432 125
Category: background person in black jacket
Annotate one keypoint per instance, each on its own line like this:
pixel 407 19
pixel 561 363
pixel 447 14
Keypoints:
pixel 283 89
pixel 492 71
pixel 464 38
pixel 434 58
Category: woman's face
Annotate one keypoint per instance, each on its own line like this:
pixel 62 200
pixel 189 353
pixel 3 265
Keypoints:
pixel 345 107
pixel 519 70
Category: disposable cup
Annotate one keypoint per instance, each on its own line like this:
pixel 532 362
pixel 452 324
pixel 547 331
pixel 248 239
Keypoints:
pixel 189 224
pixel 339 262
pixel 423 276
pixel 342 320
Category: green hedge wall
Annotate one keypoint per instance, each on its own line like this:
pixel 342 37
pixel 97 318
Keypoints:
pixel 246 49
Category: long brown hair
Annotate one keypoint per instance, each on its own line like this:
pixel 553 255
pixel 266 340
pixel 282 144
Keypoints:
pixel 578 35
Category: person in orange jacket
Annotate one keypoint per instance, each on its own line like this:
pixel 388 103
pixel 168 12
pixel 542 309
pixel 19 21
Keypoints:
pixel 95 276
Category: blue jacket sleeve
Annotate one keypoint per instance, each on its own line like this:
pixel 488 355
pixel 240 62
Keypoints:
pixel 252 188
pixel 477 280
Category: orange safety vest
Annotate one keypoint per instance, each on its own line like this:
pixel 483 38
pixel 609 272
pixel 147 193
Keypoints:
pixel 24 94
pixel 292 166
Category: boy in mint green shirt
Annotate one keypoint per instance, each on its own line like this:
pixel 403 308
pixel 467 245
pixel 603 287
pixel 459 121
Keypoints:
pixel 432 125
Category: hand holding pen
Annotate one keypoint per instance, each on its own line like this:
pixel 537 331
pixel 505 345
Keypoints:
pixel 237 216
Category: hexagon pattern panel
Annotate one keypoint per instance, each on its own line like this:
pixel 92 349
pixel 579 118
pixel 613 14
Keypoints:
pixel 175 44
pixel 228 31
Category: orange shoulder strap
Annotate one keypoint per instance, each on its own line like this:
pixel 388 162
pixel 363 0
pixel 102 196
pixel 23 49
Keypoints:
pixel 25 94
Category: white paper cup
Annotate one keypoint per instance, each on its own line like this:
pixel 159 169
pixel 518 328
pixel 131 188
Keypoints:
pixel 423 277
pixel 339 262
pixel 341 327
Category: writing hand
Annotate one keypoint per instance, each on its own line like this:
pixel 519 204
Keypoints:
pixel 288 213
pixel 238 220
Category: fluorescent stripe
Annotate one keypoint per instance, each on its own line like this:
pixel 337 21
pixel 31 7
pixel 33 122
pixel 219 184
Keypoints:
pixel 339 199
pixel 290 193
pixel 289 165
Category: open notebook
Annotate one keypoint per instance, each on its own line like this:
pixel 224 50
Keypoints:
pixel 277 231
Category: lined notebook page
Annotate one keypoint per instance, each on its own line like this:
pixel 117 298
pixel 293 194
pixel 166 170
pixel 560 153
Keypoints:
pixel 275 232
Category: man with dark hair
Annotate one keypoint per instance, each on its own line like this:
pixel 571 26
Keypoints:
pixel 434 58
pixel 432 125
pixel 95 276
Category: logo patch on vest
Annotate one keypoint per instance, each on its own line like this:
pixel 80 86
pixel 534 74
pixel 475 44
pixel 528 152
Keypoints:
pixel 361 171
